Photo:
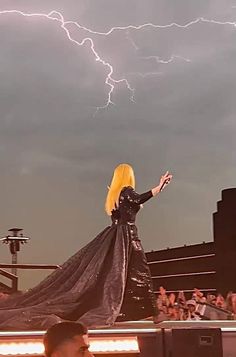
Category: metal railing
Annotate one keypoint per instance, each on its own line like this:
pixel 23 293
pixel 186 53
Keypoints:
pixel 14 278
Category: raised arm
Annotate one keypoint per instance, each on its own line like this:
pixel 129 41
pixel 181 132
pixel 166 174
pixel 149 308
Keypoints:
pixel 138 198
pixel 141 198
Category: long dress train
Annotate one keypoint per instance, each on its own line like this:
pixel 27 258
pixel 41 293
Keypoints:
pixel 105 281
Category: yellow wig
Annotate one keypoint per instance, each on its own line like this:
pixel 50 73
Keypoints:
pixel 123 176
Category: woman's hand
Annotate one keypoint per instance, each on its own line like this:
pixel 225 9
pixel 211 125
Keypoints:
pixel 164 181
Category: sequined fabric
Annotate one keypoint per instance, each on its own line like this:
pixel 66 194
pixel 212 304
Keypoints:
pixel 105 281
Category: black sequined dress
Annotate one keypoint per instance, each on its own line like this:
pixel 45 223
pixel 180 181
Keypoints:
pixel 108 280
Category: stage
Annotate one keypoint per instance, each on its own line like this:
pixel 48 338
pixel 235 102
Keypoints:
pixel 140 338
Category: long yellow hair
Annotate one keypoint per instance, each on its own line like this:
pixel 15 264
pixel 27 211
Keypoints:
pixel 123 176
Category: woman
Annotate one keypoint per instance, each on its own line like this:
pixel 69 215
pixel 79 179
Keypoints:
pixel 231 304
pixel 106 281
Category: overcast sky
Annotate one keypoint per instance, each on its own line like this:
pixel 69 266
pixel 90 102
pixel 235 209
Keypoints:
pixel 58 151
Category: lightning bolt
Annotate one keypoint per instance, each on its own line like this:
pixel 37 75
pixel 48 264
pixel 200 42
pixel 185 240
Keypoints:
pixel 144 75
pixel 110 80
pixel 167 61
pixel 149 24
pixel 58 17
pixel 158 59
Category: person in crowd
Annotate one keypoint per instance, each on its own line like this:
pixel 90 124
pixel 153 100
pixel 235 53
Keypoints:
pixel 171 299
pixel 211 299
pixel 162 303
pixel 191 306
pixel 175 312
pixel 198 296
pixel 181 299
pixel 220 301
pixel 67 339
pixel 231 304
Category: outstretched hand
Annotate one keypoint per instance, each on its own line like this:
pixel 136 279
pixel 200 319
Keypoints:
pixel 165 180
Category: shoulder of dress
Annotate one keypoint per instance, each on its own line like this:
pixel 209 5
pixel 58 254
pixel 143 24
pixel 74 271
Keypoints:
pixel 126 192
pixel 127 188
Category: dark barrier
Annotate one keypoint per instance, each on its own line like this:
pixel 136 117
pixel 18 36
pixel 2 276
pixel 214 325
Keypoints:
pixel 151 346
pixel 211 312
pixel 193 342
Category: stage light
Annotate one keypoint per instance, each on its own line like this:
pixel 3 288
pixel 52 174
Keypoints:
pixel 99 345
pixel 115 345
pixel 19 348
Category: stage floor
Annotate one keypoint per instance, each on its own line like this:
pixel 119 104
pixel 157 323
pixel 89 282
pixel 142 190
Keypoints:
pixel 146 325
pixel 143 326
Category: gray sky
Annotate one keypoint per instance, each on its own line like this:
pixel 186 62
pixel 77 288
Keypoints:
pixel 57 151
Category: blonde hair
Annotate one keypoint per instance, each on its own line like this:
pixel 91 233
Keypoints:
pixel 123 176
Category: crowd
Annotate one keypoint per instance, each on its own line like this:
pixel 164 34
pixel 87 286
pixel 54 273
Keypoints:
pixel 199 307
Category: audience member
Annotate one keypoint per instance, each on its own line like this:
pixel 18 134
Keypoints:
pixel 67 339
pixel 231 304
pixel 191 306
